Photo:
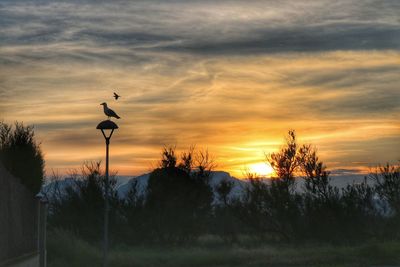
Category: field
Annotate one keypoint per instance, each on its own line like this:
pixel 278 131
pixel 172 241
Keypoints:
pixel 65 249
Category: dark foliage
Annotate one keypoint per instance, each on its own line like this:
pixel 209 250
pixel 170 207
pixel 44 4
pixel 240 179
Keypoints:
pixel 321 211
pixel 274 204
pixel 268 207
pixel 178 204
pixel 172 204
pixel 225 221
pixel 321 201
pixel 329 213
pixel 387 179
pixel 133 227
pixel 178 198
pixel 79 207
pixel 21 154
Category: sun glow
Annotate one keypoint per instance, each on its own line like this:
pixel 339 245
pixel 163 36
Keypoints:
pixel 261 169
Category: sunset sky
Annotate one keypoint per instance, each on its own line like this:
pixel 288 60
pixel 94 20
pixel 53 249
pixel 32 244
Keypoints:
pixel 232 76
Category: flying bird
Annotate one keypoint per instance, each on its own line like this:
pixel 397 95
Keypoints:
pixel 116 96
pixel 109 112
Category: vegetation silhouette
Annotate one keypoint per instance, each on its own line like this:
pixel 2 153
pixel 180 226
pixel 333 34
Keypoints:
pixel 21 155
pixel 79 203
pixel 179 205
pixel 178 197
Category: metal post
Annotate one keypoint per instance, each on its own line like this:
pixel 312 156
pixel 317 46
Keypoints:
pixel 106 209
pixel 43 234
pixel 106 125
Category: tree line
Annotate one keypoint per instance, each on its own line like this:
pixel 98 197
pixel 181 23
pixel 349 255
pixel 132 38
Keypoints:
pixel 179 204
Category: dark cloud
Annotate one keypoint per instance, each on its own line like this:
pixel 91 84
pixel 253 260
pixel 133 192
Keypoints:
pixel 204 27
pixel 345 172
pixel 358 150
pixel 304 39
pixel 66 125
pixel 332 78
pixel 67 139
pixel 124 37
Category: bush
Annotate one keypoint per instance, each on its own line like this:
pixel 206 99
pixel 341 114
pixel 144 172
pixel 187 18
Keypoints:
pixel 387 180
pixel 79 206
pixel 21 154
pixel 178 200
pixel 387 187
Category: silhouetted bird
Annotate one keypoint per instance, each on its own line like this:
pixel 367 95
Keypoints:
pixel 109 112
pixel 116 96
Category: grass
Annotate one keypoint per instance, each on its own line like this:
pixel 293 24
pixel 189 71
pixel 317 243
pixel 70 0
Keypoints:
pixel 65 249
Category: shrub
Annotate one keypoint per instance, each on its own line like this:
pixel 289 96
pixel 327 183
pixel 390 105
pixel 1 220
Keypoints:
pixel 387 184
pixel 179 198
pixel 79 206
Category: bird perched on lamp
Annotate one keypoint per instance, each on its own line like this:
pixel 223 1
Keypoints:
pixel 109 112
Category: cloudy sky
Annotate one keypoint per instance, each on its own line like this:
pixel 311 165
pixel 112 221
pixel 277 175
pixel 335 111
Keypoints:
pixel 232 76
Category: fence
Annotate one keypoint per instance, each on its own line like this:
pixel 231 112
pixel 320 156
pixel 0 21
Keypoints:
pixel 21 220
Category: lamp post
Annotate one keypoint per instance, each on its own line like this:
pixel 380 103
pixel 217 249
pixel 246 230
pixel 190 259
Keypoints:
pixel 107 128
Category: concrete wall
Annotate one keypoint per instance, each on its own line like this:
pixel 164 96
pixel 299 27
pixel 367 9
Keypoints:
pixel 19 222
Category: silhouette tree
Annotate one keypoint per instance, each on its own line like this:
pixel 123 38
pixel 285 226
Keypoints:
pixel 387 184
pixel 285 163
pixel 168 158
pixel 178 199
pixel 282 203
pixel 21 154
pixel 387 187
pixel 322 206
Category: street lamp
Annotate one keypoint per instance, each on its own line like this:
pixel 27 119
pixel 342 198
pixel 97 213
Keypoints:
pixel 107 128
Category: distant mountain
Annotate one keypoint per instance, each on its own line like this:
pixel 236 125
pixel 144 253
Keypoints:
pixel 141 181
pixel 340 181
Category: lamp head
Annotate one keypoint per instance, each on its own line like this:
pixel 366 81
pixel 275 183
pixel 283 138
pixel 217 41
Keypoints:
pixel 107 128
pixel 107 125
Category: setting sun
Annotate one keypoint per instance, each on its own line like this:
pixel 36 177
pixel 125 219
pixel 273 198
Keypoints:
pixel 261 169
